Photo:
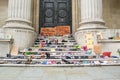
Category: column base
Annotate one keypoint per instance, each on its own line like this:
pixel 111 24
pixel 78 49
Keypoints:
pixel 23 34
pixel 82 40
pixel 2 33
pixel 18 23
pixel 23 38
pixel 91 27
pixel 5 46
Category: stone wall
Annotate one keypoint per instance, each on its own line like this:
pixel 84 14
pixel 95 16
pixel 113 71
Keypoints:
pixel 3 11
pixel 111 13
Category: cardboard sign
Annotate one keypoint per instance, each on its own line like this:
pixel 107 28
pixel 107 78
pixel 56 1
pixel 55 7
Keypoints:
pixel 58 30
pixel 48 31
pixel 99 36
pixel 63 30
pixel 89 35
pixel 97 49
pixel 14 50
pixel 89 40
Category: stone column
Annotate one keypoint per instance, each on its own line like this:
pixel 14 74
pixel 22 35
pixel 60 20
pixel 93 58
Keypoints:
pixel 91 23
pixel 19 23
pixel 75 17
pixel 35 14
pixel 91 15
pixel 19 14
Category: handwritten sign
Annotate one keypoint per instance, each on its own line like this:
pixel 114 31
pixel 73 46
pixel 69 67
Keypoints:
pixel 89 40
pixel 58 30
pixel 14 50
pixel 48 31
pixel 63 30
pixel 97 49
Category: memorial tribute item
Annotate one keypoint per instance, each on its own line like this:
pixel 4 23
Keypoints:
pixel 118 52
pixel 108 54
pixel 97 50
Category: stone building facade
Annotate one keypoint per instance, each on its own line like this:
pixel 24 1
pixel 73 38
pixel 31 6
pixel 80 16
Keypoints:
pixel 111 10
pixel 20 18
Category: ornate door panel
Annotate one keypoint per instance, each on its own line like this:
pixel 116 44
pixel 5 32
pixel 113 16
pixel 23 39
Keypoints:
pixel 55 13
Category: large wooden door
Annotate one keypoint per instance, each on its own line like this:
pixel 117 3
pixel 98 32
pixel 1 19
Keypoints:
pixel 55 13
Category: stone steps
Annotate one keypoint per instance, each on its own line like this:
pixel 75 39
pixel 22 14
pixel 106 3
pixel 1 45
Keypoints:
pixel 61 51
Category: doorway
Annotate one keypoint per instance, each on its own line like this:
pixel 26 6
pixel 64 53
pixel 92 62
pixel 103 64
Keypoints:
pixel 55 13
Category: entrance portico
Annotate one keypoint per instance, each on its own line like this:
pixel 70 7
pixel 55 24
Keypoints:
pixel 23 24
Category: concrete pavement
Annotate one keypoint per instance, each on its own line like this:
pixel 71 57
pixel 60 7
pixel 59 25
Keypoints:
pixel 60 73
